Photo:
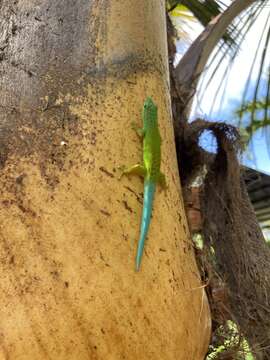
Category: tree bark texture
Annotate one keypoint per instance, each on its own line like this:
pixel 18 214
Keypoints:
pixel 74 76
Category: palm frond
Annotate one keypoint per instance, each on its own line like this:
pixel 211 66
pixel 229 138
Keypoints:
pixel 182 20
pixel 227 53
pixel 257 116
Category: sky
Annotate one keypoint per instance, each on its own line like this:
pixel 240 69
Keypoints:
pixel 257 154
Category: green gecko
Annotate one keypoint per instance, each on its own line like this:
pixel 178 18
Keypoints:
pixel 150 170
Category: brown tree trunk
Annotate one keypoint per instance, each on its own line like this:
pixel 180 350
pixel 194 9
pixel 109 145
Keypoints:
pixel 74 76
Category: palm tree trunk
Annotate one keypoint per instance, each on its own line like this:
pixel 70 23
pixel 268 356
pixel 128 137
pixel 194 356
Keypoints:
pixel 74 76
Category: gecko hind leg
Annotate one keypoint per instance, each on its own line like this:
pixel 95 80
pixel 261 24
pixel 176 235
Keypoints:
pixel 162 180
pixel 137 169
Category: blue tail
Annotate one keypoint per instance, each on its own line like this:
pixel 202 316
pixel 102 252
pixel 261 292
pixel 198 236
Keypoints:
pixel 148 197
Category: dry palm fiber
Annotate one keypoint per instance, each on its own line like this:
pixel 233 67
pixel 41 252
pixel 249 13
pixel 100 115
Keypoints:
pixel 230 228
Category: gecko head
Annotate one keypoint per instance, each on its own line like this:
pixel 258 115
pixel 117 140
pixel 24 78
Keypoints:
pixel 150 109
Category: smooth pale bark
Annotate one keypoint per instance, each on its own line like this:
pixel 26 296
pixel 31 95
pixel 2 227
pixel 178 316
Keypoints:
pixel 75 75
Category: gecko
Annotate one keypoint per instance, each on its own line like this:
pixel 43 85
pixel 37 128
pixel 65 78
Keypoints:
pixel 149 170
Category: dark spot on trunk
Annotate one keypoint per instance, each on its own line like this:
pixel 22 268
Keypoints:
pixel 104 212
pixel 127 207
pixel 105 171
